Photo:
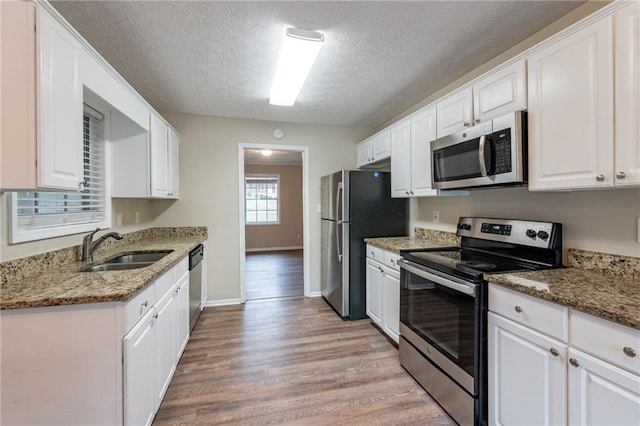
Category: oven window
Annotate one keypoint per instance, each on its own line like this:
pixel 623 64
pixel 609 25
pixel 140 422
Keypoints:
pixel 441 316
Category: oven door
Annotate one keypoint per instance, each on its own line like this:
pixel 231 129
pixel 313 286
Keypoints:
pixel 442 317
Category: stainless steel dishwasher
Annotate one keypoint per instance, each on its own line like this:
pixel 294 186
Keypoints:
pixel 195 285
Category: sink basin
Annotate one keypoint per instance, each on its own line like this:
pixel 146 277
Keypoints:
pixel 139 257
pixel 116 266
pixel 128 261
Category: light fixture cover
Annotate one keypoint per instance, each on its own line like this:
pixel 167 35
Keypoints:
pixel 297 55
pixel 266 152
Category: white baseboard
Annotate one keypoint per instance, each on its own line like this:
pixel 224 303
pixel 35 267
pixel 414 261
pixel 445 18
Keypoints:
pixel 315 294
pixel 222 302
pixel 273 249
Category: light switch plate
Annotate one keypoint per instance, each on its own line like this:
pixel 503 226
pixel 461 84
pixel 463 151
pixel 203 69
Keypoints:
pixel 119 219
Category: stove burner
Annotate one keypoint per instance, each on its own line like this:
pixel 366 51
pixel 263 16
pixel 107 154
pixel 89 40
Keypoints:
pixel 476 264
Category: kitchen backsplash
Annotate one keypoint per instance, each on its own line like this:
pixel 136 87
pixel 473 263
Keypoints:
pixel 608 264
pixel 438 236
pixel 17 269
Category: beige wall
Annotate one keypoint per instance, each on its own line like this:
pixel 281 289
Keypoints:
pixel 603 221
pixel 125 206
pixel 288 233
pixel 209 187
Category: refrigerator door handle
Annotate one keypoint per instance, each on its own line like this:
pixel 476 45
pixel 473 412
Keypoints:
pixel 338 199
pixel 338 243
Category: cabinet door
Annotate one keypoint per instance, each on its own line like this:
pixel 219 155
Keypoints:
pixel 500 92
pixel 627 51
pixel 60 146
pixel 601 394
pixel 159 157
pixel 139 347
pixel 364 153
pixel 174 157
pixel 455 112
pixel 166 335
pixel 391 303
pixel 527 382
pixel 374 291
pixel 571 111
pixel 381 146
pixel 423 131
pixel 182 314
pixel 400 160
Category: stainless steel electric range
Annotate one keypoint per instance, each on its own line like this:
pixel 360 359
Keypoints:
pixel 443 306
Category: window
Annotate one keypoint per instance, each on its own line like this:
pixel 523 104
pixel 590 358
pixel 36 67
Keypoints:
pixel 262 199
pixel 38 215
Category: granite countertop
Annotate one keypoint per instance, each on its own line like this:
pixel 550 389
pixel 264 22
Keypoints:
pixel 424 238
pixel 64 285
pixel 605 290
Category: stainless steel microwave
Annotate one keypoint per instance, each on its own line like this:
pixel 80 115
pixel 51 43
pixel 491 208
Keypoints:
pixel 487 154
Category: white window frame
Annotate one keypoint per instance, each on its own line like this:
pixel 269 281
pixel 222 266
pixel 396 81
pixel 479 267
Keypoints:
pixel 277 175
pixel 24 235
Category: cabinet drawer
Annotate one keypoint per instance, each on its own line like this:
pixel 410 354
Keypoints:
pixel 391 260
pixel 164 283
pixel 135 308
pixel 375 253
pixel 606 340
pixel 546 317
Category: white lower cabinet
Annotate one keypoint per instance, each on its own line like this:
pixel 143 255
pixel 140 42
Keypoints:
pixel 383 290
pixel 527 375
pixel 542 372
pixel 140 374
pixel 182 306
pixel 166 336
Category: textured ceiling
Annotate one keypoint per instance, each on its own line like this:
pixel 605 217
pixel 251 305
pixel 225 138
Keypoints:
pixel 379 58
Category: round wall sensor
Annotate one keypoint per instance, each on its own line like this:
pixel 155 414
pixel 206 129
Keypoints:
pixel 278 133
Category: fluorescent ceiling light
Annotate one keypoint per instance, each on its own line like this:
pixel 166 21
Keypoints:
pixel 299 51
pixel 266 152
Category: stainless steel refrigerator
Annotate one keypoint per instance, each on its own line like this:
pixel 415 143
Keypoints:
pixel 355 205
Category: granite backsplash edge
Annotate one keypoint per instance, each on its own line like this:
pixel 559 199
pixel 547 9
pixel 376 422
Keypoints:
pixel 18 269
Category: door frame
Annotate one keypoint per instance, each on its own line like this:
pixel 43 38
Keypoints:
pixel 304 150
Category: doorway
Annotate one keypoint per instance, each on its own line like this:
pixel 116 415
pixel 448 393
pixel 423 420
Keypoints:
pixel 274 229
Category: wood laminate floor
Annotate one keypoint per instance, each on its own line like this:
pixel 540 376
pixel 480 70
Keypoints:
pixel 292 361
pixel 274 274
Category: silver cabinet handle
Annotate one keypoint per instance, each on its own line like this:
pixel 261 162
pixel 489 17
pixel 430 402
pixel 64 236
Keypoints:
pixel 630 352
pixel 406 192
pixel 466 124
pixel 574 362
pixel 145 303
pixel 476 121
pixel 518 309
pixel 600 178
pixel 411 192
pixel 621 175
pixel 554 351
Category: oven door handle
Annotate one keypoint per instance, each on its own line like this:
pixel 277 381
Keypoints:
pixel 462 287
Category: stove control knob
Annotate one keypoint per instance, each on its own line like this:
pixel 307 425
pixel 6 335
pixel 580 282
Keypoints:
pixel 531 233
pixel 460 225
pixel 543 235
pixel 466 226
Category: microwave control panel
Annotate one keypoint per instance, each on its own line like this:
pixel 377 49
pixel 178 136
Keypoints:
pixel 502 144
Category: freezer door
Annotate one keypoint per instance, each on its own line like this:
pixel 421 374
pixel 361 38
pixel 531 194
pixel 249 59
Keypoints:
pixel 334 266
pixel 332 196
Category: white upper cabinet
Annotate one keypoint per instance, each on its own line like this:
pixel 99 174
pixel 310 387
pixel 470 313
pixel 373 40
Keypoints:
pixel 173 166
pixel 159 134
pixel 373 150
pixel 500 92
pixel 42 134
pixel 571 110
pixel 411 156
pixel 455 112
pixel 627 95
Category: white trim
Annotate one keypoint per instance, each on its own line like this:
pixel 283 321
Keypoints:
pixel 252 250
pixel 306 256
pixel 222 302
pixel 315 294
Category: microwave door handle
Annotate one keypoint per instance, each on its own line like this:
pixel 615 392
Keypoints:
pixel 481 148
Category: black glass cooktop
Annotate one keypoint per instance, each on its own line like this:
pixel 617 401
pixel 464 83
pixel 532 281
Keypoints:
pixel 468 263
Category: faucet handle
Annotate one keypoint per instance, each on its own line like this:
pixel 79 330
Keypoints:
pixel 90 235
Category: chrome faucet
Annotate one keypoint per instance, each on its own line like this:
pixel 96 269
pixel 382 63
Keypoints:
pixel 89 246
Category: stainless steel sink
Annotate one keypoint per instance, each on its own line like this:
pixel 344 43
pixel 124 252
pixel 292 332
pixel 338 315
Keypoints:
pixel 116 266
pixel 139 257
pixel 128 261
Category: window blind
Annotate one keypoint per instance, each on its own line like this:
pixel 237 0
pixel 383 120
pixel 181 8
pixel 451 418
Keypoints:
pixel 37 210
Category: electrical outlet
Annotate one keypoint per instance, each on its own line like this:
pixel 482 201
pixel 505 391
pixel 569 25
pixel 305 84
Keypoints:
pixel 137 217
pixel 119 219
pixel 436 216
